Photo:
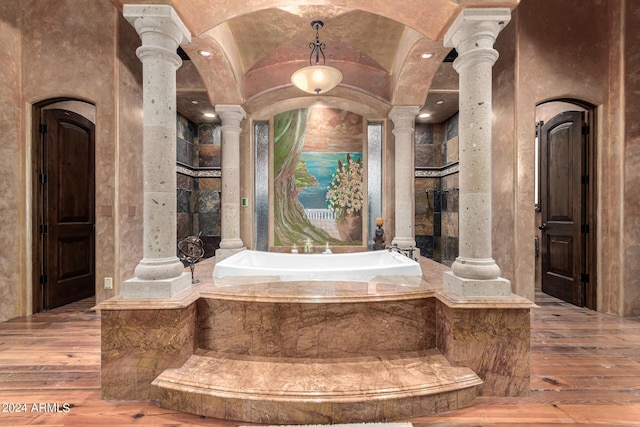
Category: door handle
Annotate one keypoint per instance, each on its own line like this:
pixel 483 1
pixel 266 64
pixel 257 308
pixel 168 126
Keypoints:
pixel 543 226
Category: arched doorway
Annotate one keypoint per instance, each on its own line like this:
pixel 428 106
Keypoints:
pixel 566 202
pixel 63 203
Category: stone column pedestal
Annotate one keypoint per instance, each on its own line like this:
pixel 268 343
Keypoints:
pixel 160 274
pixel 231 243
pixel 473 33
pixel 403 128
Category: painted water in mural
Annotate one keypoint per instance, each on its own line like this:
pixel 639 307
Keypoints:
pixel 323 166
pixel 318 184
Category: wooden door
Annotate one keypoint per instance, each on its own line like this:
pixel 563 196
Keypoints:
pixel 67 233
pixel 563 207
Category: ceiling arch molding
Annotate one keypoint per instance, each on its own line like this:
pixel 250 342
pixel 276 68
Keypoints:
pixel 429 17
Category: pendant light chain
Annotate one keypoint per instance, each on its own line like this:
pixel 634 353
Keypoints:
pixel 317 47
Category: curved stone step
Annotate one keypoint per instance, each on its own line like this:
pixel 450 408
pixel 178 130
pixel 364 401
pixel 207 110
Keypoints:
pixel 311 391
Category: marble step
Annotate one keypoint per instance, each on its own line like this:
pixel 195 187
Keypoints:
pixel 313 391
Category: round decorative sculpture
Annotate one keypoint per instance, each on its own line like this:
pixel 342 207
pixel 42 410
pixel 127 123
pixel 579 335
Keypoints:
pixel 191 250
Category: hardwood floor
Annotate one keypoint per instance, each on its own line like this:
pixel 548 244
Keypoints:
pixel 585 371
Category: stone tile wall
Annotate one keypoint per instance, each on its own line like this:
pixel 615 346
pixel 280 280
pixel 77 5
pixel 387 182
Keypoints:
pixel 436 190
pixel 198 190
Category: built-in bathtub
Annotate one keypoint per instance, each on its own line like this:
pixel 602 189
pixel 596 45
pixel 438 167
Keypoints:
pixel 355 267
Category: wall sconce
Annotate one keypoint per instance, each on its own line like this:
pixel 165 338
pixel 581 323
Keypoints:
pixel 316 78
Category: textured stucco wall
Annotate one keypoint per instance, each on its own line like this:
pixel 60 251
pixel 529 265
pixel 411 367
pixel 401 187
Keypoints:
pixel 77 49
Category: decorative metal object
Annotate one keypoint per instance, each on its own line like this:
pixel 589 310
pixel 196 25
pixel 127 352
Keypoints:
pixel 317 78
pixel 191 251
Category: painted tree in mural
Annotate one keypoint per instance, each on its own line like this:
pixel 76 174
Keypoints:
pixel 290 221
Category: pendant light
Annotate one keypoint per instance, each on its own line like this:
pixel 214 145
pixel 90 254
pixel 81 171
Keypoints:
pixel 316 78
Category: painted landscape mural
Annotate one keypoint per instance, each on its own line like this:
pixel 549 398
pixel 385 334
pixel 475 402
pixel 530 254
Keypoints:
pixel 318 177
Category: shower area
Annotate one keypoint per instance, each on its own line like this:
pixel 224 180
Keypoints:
pixel 437 190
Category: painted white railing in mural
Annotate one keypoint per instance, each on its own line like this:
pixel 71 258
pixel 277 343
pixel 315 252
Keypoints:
pixel 320 214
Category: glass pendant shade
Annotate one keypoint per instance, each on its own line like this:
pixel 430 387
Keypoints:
pixel 316 79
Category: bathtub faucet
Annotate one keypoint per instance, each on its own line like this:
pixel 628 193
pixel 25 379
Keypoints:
pixel 408 252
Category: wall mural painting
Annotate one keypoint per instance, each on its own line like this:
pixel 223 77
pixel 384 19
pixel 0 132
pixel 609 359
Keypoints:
pixel 318 177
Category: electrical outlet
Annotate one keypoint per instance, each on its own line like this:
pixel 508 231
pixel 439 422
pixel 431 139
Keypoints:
pixel 108 282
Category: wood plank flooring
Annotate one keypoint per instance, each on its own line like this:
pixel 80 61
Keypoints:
pixel 585 372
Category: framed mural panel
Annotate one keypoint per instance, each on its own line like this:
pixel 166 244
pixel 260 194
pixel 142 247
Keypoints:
pixel 318 170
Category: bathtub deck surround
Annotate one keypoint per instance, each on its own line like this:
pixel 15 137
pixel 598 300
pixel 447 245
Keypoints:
pixel 315 352
pixel 473 33
pixel 160 273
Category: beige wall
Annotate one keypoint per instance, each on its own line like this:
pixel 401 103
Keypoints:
pixel 631 107
pixel 79 49
pixel 562 49
pixel 12 163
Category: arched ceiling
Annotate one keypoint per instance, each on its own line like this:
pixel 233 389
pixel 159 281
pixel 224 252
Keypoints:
pixel 256 45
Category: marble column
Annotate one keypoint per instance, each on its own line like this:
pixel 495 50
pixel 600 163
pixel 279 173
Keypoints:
pixel 230 116
pixel 160 274
pixel 473 33
pixel 403 128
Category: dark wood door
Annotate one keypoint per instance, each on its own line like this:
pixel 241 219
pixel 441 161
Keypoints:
pixel 68 236
pixel 562 168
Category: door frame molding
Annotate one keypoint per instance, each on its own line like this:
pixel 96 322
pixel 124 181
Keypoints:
pixel 591 195
pixel 35 294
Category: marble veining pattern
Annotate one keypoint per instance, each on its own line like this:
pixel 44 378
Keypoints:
pixel 316 330
pixel 492 342
pixel 338 379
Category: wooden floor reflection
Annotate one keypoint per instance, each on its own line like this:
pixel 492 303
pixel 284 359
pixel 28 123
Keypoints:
pixel 585 371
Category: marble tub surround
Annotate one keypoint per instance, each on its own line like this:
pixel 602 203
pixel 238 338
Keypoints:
pixel 315 352
pixel 473 34
pixel 316 330
pixel 489 335
pixel 138 344
pixel 314 291
pixel 268 390
pixel 160 273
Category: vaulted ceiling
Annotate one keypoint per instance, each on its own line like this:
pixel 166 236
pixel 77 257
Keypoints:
pixel 378 45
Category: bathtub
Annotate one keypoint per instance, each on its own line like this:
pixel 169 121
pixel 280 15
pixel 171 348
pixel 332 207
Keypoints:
pixel 355 267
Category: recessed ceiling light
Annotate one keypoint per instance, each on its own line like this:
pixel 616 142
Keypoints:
pixel 427 55
pixel 209 115
pixel 194 102
pixel 424 115
pixel 440 102
pixel 204 53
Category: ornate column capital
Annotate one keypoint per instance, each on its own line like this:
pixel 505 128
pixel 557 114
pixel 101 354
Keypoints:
pixel 403 118
pixel 473 34
pixel 161 31
pixel 231 116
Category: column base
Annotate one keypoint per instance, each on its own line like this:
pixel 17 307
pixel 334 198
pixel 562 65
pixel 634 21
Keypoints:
pixel 406 243
pixel 498 287
pixel 163 288
pixel 223 253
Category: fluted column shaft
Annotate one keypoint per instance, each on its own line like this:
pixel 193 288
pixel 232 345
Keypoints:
pixel 230 116
pixel 161 32
pixel 473 34
pixel 403 129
